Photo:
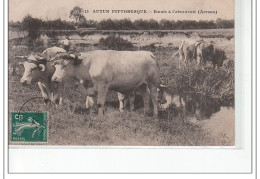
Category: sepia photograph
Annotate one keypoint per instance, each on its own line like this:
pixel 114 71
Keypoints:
pixel 121 73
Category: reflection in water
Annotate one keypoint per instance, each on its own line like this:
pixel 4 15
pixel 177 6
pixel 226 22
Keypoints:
pixel 200 109
pixel 191 104
pixel 200 106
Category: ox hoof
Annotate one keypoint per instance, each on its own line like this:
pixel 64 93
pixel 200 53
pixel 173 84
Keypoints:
pixel 57 102
pixel 132 109
pixel 71 109
pixel 45 101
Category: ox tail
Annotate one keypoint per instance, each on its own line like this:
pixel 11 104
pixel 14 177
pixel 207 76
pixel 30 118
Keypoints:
pixel 180 48
pixel 194 55
pixel 155 59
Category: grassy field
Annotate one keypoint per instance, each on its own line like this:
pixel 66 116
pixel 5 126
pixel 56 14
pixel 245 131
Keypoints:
pixel 71 124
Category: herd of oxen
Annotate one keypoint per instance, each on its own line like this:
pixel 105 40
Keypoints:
pixel 99 71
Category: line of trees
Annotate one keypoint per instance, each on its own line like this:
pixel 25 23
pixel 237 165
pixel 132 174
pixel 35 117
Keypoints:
pixel 123 24
pixel 34 25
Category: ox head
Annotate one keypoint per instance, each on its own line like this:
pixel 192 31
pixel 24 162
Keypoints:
pixel 161 94
pixel 64 66
pixel 220 57
pixel 34 65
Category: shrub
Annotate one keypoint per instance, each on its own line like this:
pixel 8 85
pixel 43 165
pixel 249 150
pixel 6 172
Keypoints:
pixel 116 43
pixel 32 25
pixel 217 84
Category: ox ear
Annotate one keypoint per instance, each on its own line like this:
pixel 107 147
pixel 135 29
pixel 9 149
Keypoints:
pixel 42 67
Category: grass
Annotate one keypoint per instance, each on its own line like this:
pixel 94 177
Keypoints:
pixel 71 124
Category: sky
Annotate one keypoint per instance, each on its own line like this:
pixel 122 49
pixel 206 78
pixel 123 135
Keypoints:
pixel 54 9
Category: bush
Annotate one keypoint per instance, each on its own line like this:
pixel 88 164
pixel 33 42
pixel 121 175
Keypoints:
pixel 32 25
pixel 116 43
pixel 217 84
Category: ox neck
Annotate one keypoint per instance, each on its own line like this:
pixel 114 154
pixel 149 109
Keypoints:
pixel 80 73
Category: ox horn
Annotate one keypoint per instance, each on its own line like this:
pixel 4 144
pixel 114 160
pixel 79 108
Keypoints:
pixel 73 55
pixel 42 67
pixel 52 59
pixel 21 64
pixel 54 63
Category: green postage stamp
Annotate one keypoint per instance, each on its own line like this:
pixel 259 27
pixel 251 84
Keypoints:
pixel 29 127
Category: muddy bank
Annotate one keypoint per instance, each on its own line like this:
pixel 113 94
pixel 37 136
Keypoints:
pixel 221 123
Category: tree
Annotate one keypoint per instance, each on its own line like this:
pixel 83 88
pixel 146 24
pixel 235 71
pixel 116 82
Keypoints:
pixel 125 24
pixel 107 25
pixel 153 24
pixel 141 24
pixel 165 24
pixel 77 14
pixel 32 25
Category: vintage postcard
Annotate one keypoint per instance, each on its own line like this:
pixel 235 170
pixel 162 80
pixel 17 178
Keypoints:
pixel 121 73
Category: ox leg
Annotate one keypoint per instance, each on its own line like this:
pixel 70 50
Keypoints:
pixel 102 92
pixel 131 100
pixel 179 62
pixel 60 92
pixel 199 60
pixel 57 95
pixel 44 92
pixel 90 102
pixel 185 60
pixel 154 97
pixel 122 101
pixel 146 98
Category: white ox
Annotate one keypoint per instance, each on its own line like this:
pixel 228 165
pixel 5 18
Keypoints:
pixel 103 70
pixel 39 69
pixel 190 50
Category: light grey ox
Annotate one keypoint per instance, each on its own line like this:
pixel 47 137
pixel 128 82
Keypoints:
pixel 102 70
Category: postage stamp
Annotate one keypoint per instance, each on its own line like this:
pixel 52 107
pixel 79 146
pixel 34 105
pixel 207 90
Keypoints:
pixel 29 127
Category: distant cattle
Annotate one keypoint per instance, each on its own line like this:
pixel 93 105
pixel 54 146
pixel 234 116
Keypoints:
pixel 190 50
pixel 218 57
pixel 186 51
pixel 103 70
pixel 38 69
pixel 228 64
